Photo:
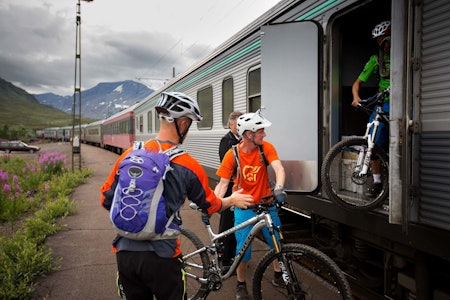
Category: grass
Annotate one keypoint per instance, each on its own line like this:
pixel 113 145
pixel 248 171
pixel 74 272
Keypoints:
pixel 32 213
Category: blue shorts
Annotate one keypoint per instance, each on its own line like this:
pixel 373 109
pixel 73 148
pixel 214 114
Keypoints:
pixel 242 215
pixel 382 137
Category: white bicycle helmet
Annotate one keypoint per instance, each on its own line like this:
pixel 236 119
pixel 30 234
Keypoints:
pixel 252 122
pixel 384 28
pixel 178 105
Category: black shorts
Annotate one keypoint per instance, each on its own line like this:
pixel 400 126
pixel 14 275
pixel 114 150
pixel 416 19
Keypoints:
pixel 144 274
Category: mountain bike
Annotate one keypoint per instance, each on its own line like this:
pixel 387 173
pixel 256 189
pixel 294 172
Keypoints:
pixel 307 272
pixel 346 172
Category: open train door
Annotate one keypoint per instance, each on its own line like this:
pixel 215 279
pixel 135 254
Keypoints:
pixel 291 95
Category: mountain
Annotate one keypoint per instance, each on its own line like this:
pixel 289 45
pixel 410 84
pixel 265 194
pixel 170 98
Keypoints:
pixel 20 110
pixel 10 92
pixel 101 101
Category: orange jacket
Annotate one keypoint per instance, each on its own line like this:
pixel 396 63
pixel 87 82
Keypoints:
pixel 187 180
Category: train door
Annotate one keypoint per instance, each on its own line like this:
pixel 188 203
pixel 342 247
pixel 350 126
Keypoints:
pixel 350 50
pixel 352 46
pixel 290 93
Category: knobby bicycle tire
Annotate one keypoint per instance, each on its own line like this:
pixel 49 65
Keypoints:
pixel 341 184
pixel 189 242
pixel 313 275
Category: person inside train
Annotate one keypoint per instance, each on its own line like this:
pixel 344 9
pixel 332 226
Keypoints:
pixel 252 176
pixel 140 261
pixel 378 65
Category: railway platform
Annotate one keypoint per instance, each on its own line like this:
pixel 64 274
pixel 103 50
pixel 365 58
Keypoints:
pixel 88 266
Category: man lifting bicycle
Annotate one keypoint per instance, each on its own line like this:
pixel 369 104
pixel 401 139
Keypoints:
pixel 380 64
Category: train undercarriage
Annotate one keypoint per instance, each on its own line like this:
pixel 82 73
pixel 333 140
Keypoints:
pixel 380 261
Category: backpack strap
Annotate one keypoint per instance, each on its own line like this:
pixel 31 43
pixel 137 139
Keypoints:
pixel 138 145
pixel 238 165
pixel 174 152
pixel 262 156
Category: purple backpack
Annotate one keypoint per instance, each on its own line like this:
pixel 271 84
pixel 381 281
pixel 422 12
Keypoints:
pixel 138 209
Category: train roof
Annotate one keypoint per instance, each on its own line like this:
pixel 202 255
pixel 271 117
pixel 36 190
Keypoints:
pixel 251 28
pixel 121 114
pixel 99 122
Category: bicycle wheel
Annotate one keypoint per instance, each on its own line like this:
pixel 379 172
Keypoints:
pixel 312 275
pixel 196 266
pixel 344 185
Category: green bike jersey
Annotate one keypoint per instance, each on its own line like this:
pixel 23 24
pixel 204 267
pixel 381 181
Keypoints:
pixel 372 68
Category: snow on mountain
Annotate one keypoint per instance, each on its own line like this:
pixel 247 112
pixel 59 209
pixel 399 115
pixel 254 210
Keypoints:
pixel 101 101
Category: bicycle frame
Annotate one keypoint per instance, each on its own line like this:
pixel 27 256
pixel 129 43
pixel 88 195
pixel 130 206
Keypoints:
pixel 363 162
pixel 294 260
pixel 261 220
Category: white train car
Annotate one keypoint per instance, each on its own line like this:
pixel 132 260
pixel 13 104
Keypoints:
pixel 65 133
pixel 299 60
pixel 51 133
pixel 93 133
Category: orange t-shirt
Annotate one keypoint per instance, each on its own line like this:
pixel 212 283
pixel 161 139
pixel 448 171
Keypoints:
pixel 253 178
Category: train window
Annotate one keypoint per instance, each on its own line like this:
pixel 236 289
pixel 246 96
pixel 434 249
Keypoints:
pixel 150 121
pixel 254 89
pixel 205 102
pixel 157 123
pixel 227 100
pixel 141 123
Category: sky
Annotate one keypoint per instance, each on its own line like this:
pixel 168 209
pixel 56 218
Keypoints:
pixel 141 40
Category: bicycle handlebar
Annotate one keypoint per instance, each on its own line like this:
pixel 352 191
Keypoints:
pixel 264 204
pixel 373 99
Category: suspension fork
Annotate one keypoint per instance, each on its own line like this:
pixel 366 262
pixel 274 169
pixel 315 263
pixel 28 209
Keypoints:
pixel 289 276
pixel 363 162
pixel 287 270
pixel 271 228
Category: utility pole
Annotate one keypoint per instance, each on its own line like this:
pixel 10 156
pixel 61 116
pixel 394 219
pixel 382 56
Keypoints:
pixel 76 117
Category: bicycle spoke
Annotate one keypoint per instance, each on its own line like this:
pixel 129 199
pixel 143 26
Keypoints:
pixel 195 266
pixel 317 276
pixel 345 184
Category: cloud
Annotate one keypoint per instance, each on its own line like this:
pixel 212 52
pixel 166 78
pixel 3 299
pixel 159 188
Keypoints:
pixel 35 44
pixel 39 44
pixel 118 41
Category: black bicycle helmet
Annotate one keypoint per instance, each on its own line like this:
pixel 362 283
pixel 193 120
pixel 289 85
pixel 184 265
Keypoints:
pixel 178 105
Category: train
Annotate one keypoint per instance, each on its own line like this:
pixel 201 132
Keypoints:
pixel 298 61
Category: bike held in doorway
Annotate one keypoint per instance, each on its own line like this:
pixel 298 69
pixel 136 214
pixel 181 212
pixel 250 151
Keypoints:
pixel 307 273
pixel 346 170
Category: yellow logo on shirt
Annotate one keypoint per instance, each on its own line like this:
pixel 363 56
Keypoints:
pixel 249 173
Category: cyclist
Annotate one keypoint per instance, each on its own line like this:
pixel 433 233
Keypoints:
pixel 150 268
pixel 252 177
pixel 378 64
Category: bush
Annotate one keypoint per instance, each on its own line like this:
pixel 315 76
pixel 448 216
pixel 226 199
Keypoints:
pixel 20 182
pixel 24 256
pixel 21 261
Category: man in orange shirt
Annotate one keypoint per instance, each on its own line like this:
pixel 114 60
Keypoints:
pixel 253 178
pixel 140 261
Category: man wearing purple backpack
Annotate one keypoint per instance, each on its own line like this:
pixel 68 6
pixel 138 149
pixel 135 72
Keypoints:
pixel 140 261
